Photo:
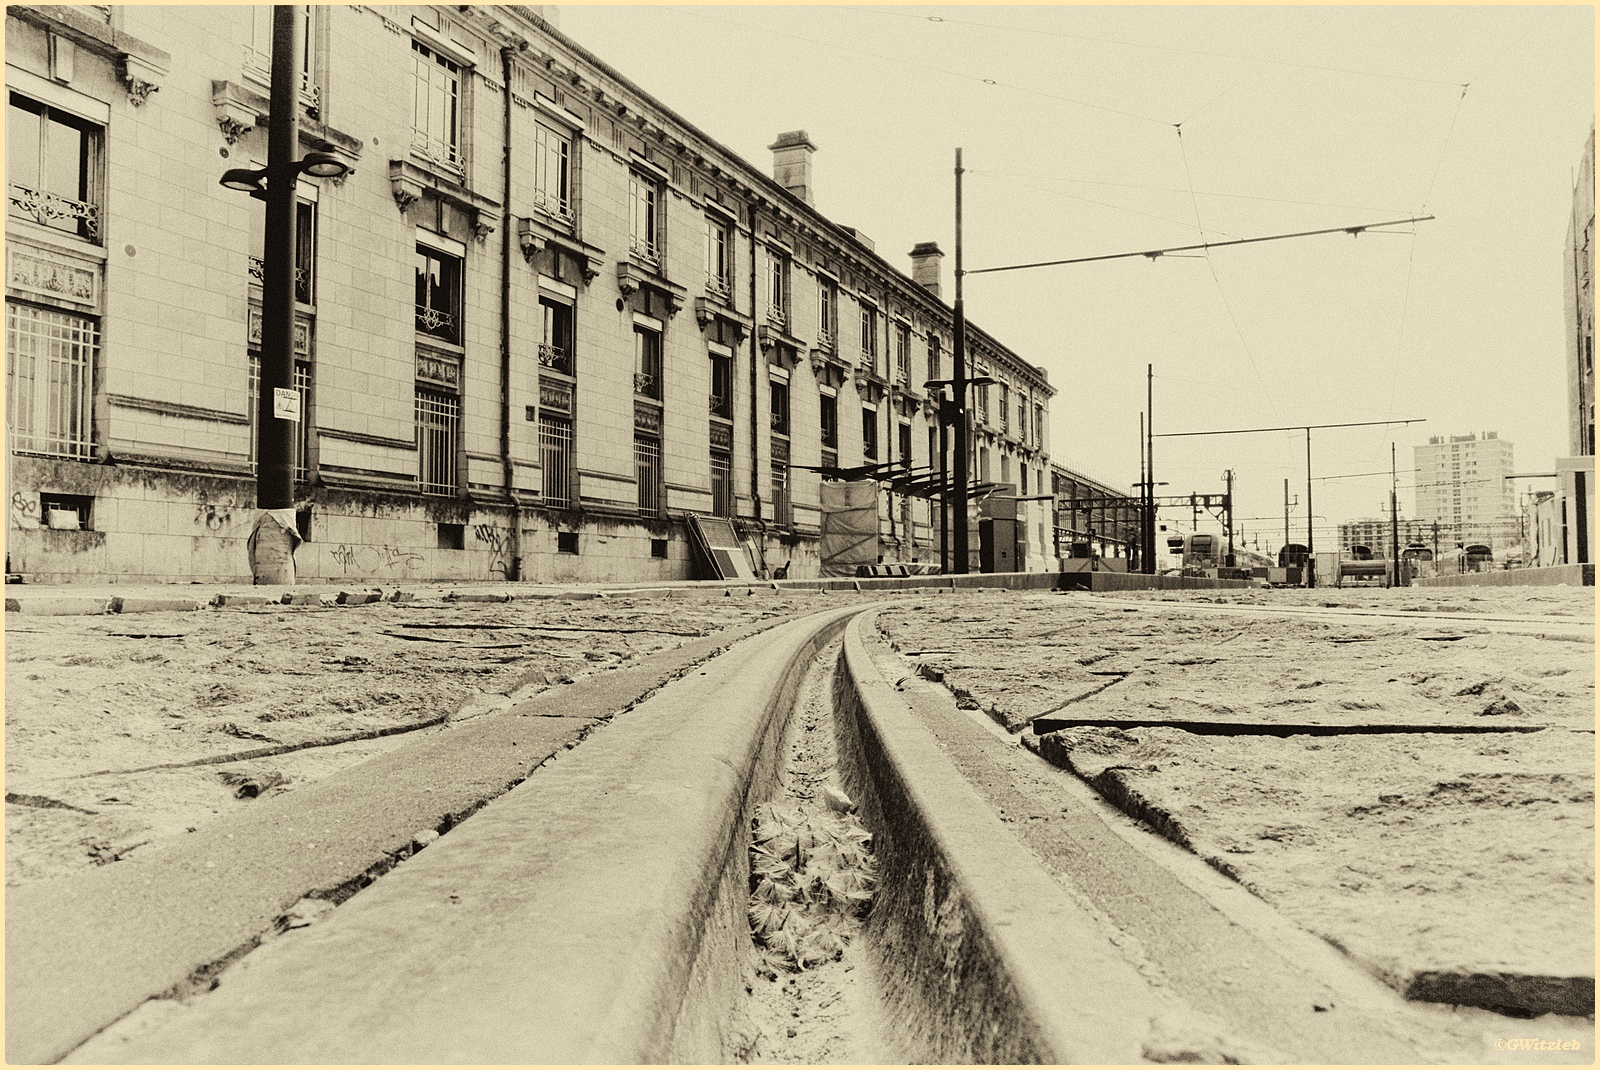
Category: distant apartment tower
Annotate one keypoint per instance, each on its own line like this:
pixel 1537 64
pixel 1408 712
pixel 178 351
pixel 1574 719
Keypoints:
pixel 1377 534
pixel 1578 278
pixel 1461 484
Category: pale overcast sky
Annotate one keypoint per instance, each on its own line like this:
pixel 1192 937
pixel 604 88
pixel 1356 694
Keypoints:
pixel 1292 118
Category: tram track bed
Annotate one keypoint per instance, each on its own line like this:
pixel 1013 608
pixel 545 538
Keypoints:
pixel 1425 806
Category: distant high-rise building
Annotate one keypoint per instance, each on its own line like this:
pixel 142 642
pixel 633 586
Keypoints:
pixel 1461 484
pixel 1578 276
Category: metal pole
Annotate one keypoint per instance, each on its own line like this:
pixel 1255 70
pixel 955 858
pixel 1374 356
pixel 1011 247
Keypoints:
pixel 1311 560
pixel 1230 519
pixel 272 542
pixel 1394 515
pixel 944 487
pixel 1144 534
pixel 1150 464
pixel 962 541
pixel 1286 512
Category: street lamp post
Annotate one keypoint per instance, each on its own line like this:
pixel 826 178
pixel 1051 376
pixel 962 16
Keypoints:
pixel 959 504
pixel 274 537
pixel 948 410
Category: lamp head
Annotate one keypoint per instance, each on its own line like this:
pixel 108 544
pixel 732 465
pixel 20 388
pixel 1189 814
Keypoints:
pixel 245 179
pixel 323 165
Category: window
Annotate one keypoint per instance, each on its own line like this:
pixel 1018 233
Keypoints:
pixel 53 168
pixel 828 313
pixel 439 295
pixel 1005 468
pixel 905 445
pixel 983 464
pixel 778 288
pixel 830 422
pixel 436 118
pixel 658 548
pixel 555 343
pixel 302 430
pixel 982 394
pixel 647 470
pixel 869 337
pixel 555 456
pixel 719 258
pixel 722 386
pixel 902 354
pixel 552 172
pixel 646 361
pixel 644 195
pixel 780 407
pixel 1005 407
pixel 869 434
pixel 780 481
pixel 934 360
pixel 305 248
pixel 438 415
pixel 721 482
pixel 566 542
pixel 258 52
pixel 50 359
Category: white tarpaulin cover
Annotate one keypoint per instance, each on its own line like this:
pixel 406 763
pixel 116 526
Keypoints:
pixel 849 526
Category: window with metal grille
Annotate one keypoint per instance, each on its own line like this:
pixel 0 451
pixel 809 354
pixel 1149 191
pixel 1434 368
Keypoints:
pixel 50 359
pixel 53 168
pixel 721 386
pixel 436 119
pixel 552 172
pixel 439 294
pixel 555 457
pixel 722 482
pixel 302 433
pixel 869 337
pixel 305 245
pixel 778 287
pixel 646 361
pixel 647 470
pixel 555 343
pixel 644 232
pixel 438 416
pixel 719 258
pixel 830 422
pixel 780 492
pixel 780 407
pixel 828 314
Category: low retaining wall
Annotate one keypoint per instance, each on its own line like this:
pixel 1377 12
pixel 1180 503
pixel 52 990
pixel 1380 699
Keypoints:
pixel 1548 576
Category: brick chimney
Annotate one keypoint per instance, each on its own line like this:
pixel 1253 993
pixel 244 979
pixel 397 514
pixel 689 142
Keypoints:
pixel 926 261
pixel 791 163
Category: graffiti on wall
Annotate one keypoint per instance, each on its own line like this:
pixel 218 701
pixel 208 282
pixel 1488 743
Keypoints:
pixel 369 560
pixel 24 510
pixel 497 541
pixel 212 518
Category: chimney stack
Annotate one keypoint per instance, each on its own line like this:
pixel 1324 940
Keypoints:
pixel 791 163
pixel 926 261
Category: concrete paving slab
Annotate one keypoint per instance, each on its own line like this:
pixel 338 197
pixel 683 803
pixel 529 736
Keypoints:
pixel 59 605
pixel 561 925
pixel 83 951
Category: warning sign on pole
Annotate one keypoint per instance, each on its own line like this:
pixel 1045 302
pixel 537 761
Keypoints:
pixel 286 404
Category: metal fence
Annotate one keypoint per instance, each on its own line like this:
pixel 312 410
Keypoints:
pixel 49 375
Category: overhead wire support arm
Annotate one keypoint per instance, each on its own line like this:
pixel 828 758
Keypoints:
pixel 1153 253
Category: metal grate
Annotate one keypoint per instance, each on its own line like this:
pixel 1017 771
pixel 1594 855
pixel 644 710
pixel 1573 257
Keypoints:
pixel 722 483
pixel 647 469
pixel 555 456
pixel 438 416
pixel 49 375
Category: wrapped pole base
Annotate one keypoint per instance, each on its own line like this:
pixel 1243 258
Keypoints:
pixel 272 543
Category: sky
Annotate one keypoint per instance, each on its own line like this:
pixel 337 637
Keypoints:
pixel 1091 130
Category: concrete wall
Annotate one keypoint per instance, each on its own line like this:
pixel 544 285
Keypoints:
pixel 1551 576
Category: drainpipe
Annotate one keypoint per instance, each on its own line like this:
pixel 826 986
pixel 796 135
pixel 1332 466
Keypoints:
pixel 755 349
pixel 515 571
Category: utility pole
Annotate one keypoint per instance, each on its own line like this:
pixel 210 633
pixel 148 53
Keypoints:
pixel 1150 465
pixel 1144 534
pixel 962 543
pixel 1286 512
pixel 1394 516
pixel 1311 560
pixel 274 537
pixel 1228 504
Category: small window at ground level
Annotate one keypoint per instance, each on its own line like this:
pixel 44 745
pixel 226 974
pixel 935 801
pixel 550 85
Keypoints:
pixel 452 536
pixel 658 548
pixel 567 542
pixel 66 511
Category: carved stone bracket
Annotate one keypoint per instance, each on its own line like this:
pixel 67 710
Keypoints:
pixel 408 182
pixel 141 77
pixel 407 188
pixel 708 311
pixel 828 368
pixel 534 236
pixel 482 228
pixel 769 336
pixel 631 277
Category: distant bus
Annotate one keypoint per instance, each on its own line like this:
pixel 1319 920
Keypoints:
pixel 1293 555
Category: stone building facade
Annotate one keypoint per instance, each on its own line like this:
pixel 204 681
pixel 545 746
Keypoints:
pixel 1578 302
pixel 542 320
